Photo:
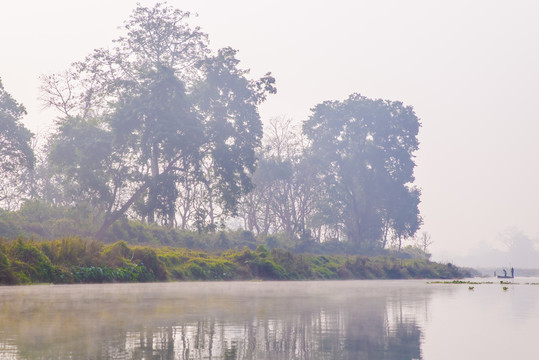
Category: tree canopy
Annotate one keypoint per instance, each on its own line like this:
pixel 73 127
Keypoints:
pixel 365 152
pixel 16 153
pixel 167 108
pixel 161 130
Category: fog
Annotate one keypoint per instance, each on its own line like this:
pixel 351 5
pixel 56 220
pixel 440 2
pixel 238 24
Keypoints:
pixel 264 320
pixel 269 320
pixel 512 248
pixel 468 69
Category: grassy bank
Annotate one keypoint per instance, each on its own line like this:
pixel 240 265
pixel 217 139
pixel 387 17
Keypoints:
pixel 74 260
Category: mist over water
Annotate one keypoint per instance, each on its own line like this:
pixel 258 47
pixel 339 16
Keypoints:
pixel 264 320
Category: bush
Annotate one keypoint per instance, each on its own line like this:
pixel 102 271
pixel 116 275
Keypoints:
pixel 148 258
pixel 115 255
pixel 29 261
pixel 7 276
pixel 74 259
pixel 96 274
pixel 294 265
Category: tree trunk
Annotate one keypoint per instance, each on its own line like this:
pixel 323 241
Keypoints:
pixel 115 215
pixel 152 196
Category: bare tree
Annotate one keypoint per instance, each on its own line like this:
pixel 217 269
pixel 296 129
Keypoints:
pixel 424 241
pixel 284 194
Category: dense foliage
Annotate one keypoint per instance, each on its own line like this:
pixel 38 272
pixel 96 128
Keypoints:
pixel 16 154
pixel 159 141
pixel 365 148
pixel 41 221
pixel 154 112
pixel 73 260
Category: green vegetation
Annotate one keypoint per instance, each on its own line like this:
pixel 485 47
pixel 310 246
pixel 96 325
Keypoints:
pixel 159 136
pixel 159 145
pixel 74 260
pixel 458 282
pixel 36 219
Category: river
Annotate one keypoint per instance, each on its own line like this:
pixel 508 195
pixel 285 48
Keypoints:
pixel 401 319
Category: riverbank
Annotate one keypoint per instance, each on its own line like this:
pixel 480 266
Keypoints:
pixel 74 260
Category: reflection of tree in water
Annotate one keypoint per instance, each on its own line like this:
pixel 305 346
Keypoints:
pixel 354 334
pixel 372 327
pixel 379 335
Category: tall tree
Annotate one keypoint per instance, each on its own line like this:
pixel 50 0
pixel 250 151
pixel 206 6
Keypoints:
pixel 365 151
pixel 168 108
pixel 228 102
pixel 158 130
pixel 16 153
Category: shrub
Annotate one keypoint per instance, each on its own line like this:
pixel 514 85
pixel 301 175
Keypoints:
pixel 148 258
pixel 30 261
pixel 85 260
pixel 266 269
pixel 115 255
pixel 7 276
pixel 96 274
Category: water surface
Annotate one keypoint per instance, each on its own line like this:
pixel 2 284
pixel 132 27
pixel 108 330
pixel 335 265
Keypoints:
pixel 406 319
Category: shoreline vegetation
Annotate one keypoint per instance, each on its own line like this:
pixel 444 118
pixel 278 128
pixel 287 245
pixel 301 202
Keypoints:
pixel 162 129
pixel 159 154
pixel 72 260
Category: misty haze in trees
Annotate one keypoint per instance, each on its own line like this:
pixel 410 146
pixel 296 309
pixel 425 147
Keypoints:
pixel 158 113
pixel 16 153
pixel 286 189
pixel 162 130
pixel 364 149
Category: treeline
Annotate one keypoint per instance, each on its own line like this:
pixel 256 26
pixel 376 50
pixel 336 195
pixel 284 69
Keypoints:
pixel 73 260
pixel 161 130
pixel 40 221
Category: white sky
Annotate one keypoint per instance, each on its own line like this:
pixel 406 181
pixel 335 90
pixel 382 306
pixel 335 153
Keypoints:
pixel 470 69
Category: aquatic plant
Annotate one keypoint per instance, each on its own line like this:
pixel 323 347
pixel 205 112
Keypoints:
pixel 96 274
pixel 458 282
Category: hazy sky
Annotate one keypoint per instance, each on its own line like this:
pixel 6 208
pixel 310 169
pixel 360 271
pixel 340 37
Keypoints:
pixel 470 69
